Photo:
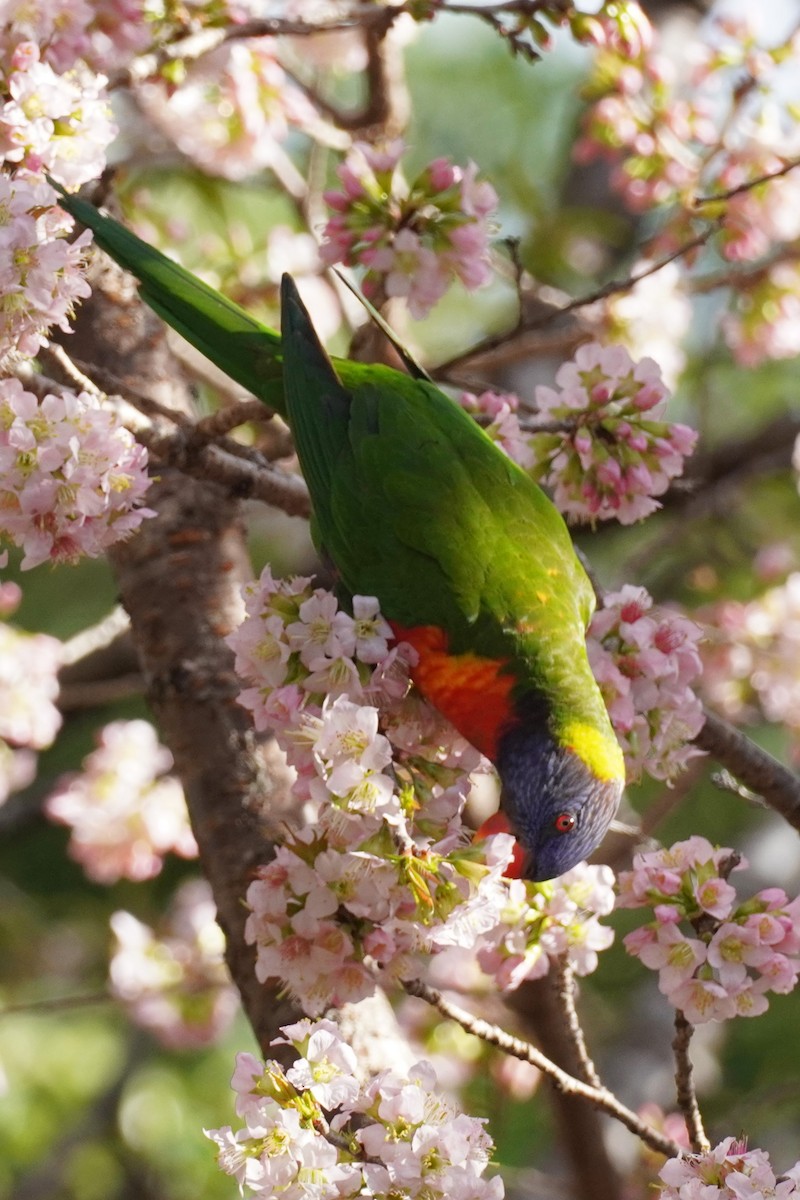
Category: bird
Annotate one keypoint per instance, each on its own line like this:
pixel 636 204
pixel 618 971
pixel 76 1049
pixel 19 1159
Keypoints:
pixel 472 564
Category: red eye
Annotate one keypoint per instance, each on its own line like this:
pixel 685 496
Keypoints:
pixel 564 822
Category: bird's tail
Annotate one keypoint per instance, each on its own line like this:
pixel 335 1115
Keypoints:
pixel 246 350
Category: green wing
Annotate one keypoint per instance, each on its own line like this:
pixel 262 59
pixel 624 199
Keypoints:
pixel 413 501
pixel 416 505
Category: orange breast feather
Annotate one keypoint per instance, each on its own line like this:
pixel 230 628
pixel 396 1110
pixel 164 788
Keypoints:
pixel 474 693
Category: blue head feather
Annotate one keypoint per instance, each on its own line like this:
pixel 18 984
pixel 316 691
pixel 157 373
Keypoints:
pixel 545 784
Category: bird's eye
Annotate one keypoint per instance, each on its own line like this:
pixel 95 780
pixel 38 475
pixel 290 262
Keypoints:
pixel 564 822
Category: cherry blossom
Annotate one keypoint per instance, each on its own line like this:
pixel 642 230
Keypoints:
pixel 646 662
pixel 29 663
pixel 71 475
pixel 40 270
pixel 504 426
pixel 414 239
pixel 544 922
pixel 51 122
pixel 124 812
pixel 728 1172
pixel 393 1135
pixel 381 876
pixel 716 957
pixel 677 135
pixel 751 655
pixel 614 453
pixel 174 983
pixel 232 111
pixel 29 716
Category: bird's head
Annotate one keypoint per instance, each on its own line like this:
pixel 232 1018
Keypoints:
pixel 559 803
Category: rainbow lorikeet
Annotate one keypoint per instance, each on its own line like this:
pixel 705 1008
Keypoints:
pixel 472 564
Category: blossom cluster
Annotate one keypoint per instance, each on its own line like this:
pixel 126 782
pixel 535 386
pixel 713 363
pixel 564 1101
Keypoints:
pixel 41 274
pixel 59 123
pixel 727 1172
pixel 674 139
pixel 413 239
pixel 558 918
pixel 716 957
pixel 646 662
pixel 124 812
pixel 318 1131
pixel 751 656
pixel 29 717
pixel 382 874
pixel 233 109
pixel 71 475
pixel 103 34
pixel 612 452
pixel 174 982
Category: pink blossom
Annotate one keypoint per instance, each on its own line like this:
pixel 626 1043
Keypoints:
pixel 29 689
pixel 646 663
pixel 233 110
pixel 715 957
pixel 379 769
pixel 751 656
pixel 175 983
pixel 414 239
pixel 728 1172
pixel 542 921
pixel 125 813
pixel 72 475
pixel 672 136
pixel 393 1135
pixel 504 428
pixel 610 459
pixel 41 274
pixel 56 123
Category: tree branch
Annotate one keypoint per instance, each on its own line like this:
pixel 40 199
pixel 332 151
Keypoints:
pixel 179 580
pixel 600 1097
pixel 684 1083
pixel 754 766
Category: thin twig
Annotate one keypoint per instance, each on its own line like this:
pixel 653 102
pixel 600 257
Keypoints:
pixel 242 468
pixel 623 285
pixel 748 186
pixel 684 1083
pixel 108 384
pixel 565 990
pixel 95 693
pixel 56 1003
pixel 562 1080
pixel 58 355
pixel 554 312
pixel 96 637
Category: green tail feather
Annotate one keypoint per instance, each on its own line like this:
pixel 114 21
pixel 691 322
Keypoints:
pixel 246 350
